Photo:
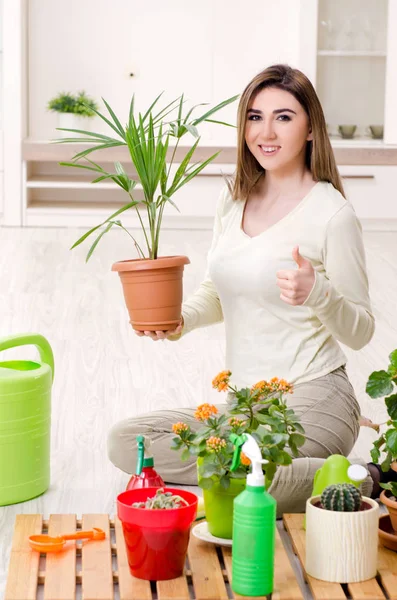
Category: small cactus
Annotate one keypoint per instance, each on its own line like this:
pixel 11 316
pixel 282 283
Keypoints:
pixel 162 500
pixel 343 497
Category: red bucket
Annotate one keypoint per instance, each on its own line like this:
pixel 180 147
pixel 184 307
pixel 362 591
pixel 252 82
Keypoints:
pixel 156 540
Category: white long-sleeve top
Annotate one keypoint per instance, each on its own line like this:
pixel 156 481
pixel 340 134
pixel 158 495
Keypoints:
pixel 265 337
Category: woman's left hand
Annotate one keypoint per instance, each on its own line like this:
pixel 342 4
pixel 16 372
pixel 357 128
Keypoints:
pixel 296 285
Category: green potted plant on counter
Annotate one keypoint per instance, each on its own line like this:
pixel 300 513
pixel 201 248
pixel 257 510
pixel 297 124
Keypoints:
pixel 74 111
pixel 152 284
pixel 380 384
pixel 261 411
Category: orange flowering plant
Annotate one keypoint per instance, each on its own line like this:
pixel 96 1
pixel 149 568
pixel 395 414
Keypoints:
pixel 261 411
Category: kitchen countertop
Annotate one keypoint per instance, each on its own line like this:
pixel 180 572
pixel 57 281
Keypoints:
pixel 347 152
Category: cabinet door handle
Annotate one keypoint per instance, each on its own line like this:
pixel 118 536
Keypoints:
pixel 358 176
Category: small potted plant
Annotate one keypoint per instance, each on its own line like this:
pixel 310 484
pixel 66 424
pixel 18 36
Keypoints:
pixel 74 111
pixel 156 526
pixel 380 384
pixel 261 411
pixel 341 535
pixel 152 284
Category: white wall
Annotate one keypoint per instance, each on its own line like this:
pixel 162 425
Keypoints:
pixel 209 50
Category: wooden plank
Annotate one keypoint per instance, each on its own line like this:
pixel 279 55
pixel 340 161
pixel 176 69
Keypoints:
pixel 173 588
pixel 366 590
pixel 387 571
pixel 97 574
pixel 60 567
pixel 207 575
pixel 130 588
pixel 286 586
pixel 24 562
pixel 321 590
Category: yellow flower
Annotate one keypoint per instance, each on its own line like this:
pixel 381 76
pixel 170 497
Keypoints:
pixel 216 443
pixel 205 411
pixel 234 422
pixel 179 427
pixel 221 381
pixel 274 385
pixel 244 459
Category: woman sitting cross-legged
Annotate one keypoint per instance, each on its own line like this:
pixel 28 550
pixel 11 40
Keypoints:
pixel 287 275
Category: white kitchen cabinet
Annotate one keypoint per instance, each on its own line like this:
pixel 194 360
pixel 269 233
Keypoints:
pixel 210 54
pixel 349 51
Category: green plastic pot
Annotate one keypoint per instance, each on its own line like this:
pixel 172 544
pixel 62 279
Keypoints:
pixel 218 505
pixel 25 421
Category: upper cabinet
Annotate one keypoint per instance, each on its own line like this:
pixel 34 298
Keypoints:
pixel 349 49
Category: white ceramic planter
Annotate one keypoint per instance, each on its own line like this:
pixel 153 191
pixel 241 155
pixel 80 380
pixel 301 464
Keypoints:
pixel 341 546
pixel 72 121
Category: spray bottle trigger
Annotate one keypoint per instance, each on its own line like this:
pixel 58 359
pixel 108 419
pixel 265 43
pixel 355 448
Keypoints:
pixel 238 441
pixel 141 454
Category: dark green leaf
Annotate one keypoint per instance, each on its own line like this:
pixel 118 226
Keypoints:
pixel 224 482
pixel 391 403
pixel 375 455
pixel 100 236
pixel 208 470
pixel 393 359
pixel 220 123
pixel 85 236
pixel 391 441
pixel 185 455
pixel 115 119
pixel 206 483
pixel 379 384
pixel 214 110
pixel 298 439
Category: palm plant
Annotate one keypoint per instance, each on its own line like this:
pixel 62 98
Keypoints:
pixel 147 137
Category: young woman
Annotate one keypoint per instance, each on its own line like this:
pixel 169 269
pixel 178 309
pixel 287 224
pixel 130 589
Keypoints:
pixel 287 275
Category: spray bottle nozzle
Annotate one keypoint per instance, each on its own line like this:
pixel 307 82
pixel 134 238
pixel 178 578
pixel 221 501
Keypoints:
pixel 141 454
pixel 247 443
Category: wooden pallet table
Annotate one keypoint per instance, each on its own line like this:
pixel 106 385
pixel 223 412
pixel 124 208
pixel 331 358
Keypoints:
pixel 99 570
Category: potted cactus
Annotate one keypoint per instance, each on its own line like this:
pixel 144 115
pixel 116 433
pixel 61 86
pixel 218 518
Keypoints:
pixel 341 535
pixel 156 526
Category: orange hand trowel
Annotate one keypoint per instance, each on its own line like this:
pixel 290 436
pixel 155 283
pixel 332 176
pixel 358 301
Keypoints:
pixel 46 543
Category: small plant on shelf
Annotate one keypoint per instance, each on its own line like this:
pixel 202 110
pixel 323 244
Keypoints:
pixel 77 104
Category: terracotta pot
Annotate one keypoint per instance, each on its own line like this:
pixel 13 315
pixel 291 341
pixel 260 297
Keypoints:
pixel 391 503
pixel 153 291
pixel 335 542
pixel 388 538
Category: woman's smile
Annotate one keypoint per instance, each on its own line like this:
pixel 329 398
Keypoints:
pixel 269 150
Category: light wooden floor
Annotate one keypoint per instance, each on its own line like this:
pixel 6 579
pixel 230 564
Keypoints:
pixel 105 373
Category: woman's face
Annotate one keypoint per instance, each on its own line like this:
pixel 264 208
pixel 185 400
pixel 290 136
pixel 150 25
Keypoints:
pixel 277 129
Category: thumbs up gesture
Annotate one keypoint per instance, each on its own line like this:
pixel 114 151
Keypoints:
pixel 296 285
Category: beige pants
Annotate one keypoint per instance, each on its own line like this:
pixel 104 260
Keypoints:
pixel 329 413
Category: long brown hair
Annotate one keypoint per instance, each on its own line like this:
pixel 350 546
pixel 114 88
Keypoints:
pixel 319 154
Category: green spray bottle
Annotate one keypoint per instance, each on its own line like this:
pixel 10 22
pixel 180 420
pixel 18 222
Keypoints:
pixel 254 526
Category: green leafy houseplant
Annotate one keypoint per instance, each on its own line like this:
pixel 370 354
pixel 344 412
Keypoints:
pixel 152 284
pixel 147 137
pixel 261 411
pixel 77 104
pixel 382 383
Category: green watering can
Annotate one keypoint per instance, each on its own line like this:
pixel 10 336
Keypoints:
pixel 25 421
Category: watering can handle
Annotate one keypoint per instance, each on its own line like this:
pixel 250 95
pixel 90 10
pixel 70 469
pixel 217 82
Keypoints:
pixel 30 339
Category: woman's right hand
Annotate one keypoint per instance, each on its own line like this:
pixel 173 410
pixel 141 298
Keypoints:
pixel 162 335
